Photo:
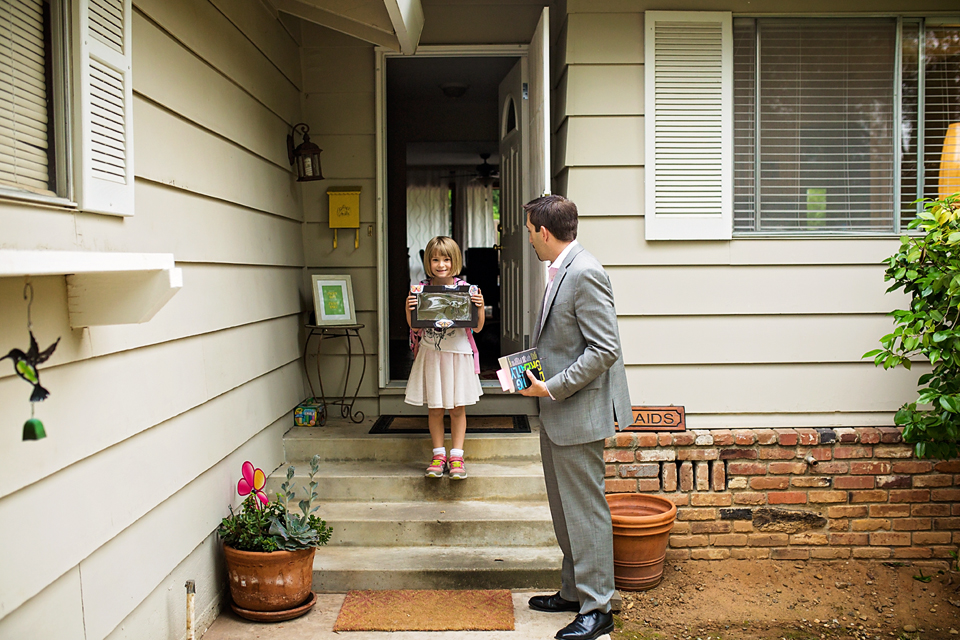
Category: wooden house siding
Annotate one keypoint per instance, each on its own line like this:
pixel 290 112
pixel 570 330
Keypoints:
pixel 339 103
pixel 148 424
pixel 743 333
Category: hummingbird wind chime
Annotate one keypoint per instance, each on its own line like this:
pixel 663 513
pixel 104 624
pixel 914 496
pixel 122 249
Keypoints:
pixel 25 366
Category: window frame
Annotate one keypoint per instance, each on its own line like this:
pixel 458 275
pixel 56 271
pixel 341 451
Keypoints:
pixel 61 87
pixel 897 115
pixel 923 20
pixel 94 53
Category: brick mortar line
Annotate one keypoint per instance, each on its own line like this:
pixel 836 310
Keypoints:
pixel 739 492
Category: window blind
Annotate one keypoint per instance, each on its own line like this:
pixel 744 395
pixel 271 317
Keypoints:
pixel 25 124
pixel 930 104
pixel 818 152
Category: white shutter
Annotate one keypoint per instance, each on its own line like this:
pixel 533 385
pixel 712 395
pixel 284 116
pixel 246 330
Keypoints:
pixel 104 97
pixel 24 114
pixel 688 112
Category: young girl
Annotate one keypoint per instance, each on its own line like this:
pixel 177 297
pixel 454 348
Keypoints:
pixel 446 366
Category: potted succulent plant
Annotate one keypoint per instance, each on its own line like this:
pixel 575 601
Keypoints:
pixel 269 547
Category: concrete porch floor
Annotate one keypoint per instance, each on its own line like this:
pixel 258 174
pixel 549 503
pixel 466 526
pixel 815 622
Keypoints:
pixel 318 625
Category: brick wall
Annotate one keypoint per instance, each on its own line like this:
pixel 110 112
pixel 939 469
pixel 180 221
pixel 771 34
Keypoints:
pixel 757 494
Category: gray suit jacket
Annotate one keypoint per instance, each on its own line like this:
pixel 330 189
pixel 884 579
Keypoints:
pixel 579 346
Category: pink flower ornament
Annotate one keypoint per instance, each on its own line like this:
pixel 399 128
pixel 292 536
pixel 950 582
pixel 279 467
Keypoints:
pixel 253 481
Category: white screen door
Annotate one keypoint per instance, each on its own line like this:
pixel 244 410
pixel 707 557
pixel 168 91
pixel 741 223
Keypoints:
pixel 524 175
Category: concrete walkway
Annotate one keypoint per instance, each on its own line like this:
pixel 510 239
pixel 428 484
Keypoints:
pixel 318 625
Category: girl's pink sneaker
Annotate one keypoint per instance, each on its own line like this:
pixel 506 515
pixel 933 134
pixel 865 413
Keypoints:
pixel 456 469
pixel 437 466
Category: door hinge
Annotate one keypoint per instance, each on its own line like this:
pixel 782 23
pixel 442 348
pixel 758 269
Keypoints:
pixel 526 91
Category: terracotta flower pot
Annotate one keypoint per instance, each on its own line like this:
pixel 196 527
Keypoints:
pixel 273 581
pixel 641 530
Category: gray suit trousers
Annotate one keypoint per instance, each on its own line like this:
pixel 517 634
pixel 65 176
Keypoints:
pixel 581 520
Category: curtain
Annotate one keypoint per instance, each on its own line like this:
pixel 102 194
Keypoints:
pixel 474 214
pixel 428 215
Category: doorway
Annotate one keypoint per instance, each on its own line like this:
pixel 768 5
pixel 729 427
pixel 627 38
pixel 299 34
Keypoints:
pixel 480 115
pixel 442 175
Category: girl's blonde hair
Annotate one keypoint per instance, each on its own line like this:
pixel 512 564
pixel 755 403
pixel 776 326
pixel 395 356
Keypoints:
pixel 446 247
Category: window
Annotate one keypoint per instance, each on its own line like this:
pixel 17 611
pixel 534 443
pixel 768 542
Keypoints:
pixel 31 133
pixel 931 103
pixel 814 124
pixel 838 124
pixel 66 103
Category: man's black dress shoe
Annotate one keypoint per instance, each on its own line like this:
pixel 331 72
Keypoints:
pixel 587 626
pixel 553 604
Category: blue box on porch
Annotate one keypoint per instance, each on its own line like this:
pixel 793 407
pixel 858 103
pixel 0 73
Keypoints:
pixel 310 413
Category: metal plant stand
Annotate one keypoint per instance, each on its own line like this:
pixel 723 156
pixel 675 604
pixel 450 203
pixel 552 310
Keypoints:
pixel 348 332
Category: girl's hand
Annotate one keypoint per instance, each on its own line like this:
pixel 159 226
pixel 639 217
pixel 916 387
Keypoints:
pixel 477 299
pixel 411 301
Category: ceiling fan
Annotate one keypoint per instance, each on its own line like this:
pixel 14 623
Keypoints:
pixel 487 172
pixel 484 173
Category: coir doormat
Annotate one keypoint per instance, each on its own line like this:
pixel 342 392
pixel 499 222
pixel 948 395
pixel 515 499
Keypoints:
pixel 475 424
pixel 426 610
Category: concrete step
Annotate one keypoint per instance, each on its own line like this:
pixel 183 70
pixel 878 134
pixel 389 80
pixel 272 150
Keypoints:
pixel 505 480
pixel 339 442
pixel 439 524
pixel 339 569
pixel 393 528
pixel 493 402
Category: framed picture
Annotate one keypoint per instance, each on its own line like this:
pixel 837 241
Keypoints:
pixel 333 300
pixel 444 306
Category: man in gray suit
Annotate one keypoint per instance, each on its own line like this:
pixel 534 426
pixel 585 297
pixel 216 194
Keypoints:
pixel 578 342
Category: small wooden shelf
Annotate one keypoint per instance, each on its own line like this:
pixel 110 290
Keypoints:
pixel 102 287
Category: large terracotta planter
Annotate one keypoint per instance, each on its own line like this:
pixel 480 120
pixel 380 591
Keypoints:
pixel 274 581
pixel 641 530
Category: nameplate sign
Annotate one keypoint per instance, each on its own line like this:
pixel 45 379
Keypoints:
pixel 657 419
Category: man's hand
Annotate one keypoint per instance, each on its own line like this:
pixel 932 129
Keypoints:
pixel 537 388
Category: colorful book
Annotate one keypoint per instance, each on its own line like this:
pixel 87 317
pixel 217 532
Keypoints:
pixel 514 367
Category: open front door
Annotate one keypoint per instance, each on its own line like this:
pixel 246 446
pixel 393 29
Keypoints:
pixel 524 175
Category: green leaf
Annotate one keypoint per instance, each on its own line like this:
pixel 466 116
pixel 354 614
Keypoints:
pixel 945 402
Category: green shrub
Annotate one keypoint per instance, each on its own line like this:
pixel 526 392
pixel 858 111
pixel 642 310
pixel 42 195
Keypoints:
pixel 927 268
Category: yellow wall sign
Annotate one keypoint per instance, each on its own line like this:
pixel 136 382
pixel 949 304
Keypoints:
pixel 344 211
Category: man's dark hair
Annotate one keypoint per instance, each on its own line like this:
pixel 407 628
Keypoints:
pixel 557 214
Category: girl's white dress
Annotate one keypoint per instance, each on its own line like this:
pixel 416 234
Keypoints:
pixel 443 375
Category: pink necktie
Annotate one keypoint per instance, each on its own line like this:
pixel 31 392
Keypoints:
pixel 552 271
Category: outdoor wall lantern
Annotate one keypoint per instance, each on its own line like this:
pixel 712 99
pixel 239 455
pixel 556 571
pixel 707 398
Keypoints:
pixel 306 156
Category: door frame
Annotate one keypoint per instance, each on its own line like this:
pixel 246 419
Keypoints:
pixel 426 51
